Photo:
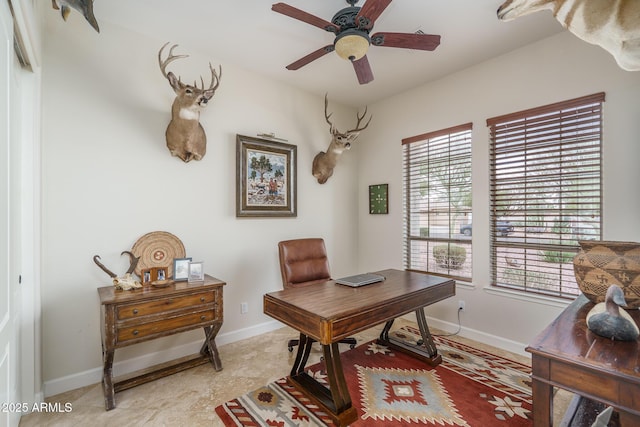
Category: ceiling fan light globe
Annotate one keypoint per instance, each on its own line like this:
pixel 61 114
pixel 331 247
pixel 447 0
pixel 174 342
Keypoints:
pixel 351 45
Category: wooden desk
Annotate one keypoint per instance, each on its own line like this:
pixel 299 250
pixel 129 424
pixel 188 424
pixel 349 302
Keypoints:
pixel 329 312
pixel 131 317
pixel 568 355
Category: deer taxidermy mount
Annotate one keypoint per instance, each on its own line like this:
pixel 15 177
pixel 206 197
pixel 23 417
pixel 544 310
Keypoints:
pixel 185 135
pixel 613 25
pixel 325 162
pixel 352 26
pixel 83 6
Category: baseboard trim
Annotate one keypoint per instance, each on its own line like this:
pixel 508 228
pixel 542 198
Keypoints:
pixel 483 337
pixel 94 376
pixel 124 367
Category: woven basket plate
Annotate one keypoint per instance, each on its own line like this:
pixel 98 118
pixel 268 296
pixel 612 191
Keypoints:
pixel 157 249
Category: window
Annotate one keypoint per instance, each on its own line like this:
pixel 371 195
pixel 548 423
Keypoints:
pixel 546 184
pixel 437 202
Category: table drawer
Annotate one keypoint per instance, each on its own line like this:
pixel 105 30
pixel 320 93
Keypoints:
pixel 147 330
pixel 134 310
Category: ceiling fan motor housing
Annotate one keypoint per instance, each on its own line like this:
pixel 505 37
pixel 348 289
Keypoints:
pixel 352 41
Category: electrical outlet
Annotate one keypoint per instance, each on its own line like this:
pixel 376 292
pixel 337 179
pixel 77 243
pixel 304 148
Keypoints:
pixel 460 305
pixel 244 308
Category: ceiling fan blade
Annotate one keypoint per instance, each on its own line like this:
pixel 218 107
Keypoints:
pixel 371 10
pixel 303 16
pixel 406 40
pixel 363 70
pixel 310 57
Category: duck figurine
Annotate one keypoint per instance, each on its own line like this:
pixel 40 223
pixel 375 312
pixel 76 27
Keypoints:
pixel 608 320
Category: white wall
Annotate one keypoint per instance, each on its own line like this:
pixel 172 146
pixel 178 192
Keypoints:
pixel 109 179
pixel 555 69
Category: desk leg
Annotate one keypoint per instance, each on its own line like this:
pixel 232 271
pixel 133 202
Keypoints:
pixel 335 400
pixel 209 347
pixel 541 391
pixel 302 355
pixel 424 350
pixel 542 398
pixel 427 339
pixel 335 376
pixel 107 380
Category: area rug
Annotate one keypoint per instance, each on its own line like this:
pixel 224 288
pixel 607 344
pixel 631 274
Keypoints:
pixel 470 387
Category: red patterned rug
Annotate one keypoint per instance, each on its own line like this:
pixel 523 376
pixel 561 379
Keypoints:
pixel 469 388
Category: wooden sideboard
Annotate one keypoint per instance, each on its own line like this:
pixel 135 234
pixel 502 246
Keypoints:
pixel 131 317
pixel 568 355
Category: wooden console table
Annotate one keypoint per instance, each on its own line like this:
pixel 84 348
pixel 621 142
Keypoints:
pixel 568 355
pixel 328 312
pixel 131 317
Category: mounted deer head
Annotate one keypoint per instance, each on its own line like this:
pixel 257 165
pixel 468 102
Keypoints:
pixel 185 135
pixel 612 25
pixel 325 162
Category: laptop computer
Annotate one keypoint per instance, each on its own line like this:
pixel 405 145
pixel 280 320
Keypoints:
pixel 360 280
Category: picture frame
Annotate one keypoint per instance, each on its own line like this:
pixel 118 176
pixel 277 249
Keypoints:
pixel 146 276
pixel 266 178
pixel 153 274
pixel 196 272
pixel 379 199
pixel 181 269
pixel 162 273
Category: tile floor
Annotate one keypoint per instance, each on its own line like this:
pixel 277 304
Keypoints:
pixel 188 398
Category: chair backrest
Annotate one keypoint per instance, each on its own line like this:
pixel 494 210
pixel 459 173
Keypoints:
pixel 303 262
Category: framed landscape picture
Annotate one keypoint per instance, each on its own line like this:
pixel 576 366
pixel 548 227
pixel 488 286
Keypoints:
pixel 265 178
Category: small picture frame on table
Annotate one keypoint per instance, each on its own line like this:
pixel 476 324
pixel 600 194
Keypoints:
pixel 196 272
pixel 181 269
pixel 153 274
pixel 146 276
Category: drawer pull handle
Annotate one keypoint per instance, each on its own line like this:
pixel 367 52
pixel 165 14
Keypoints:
pixel 135 311
pixel 203 317
pixel 201 299
pixel 135 332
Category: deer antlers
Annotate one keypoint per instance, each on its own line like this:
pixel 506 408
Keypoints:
pixel 360 117
pixel 133 262
pixel 215 77
pixel 325 162
pixel 185 136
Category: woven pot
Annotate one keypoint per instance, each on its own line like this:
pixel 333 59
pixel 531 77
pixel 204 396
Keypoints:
pixel 600 264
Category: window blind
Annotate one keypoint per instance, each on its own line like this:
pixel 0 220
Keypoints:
pixel 437 202
pixel 546 182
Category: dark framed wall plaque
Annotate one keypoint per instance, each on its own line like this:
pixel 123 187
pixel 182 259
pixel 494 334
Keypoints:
pixel 379 199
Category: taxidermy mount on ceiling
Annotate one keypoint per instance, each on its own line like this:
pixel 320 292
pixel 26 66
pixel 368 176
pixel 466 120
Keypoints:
pixel 83 6
pixel 185 135
pixel 325 162
pixel 613 25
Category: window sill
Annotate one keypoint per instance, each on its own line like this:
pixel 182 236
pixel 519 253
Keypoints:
pixel 465 285
pixel 524 296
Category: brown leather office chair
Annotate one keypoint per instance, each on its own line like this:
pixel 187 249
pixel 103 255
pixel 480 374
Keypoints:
pixel 304 262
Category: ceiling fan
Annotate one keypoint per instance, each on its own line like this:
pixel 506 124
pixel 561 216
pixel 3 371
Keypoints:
pixel 352 26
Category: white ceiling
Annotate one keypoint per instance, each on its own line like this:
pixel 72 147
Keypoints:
pixel 247 33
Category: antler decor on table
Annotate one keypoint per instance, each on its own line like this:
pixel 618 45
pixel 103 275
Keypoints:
pixel 126 282
pixel 185 135
pixel 325 162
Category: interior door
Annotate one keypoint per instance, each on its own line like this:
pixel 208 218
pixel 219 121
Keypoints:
pixel 9 313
